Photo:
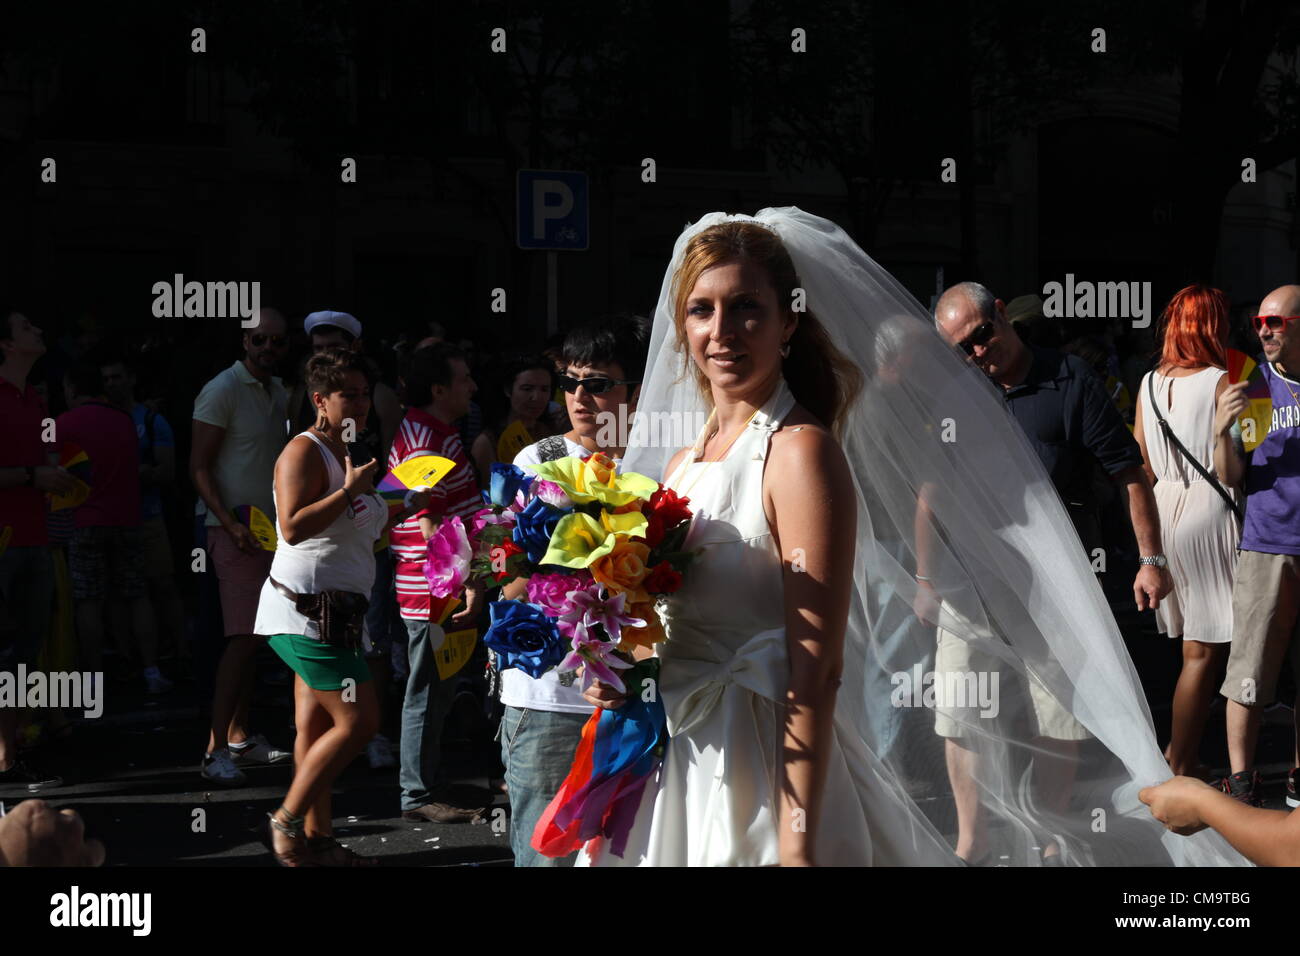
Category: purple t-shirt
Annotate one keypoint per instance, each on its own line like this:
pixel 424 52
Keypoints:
pixel 1273 476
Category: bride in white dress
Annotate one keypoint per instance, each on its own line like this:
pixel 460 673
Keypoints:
pixel 831 404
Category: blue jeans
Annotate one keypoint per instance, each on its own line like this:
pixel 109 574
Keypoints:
pixel 537 747
pixel 428 699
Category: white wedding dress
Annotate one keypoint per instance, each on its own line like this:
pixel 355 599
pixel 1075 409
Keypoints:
pixel 723 674
pixel 930 446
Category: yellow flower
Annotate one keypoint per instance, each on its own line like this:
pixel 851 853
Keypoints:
pixel 594 479
pixel 579 539
pixel 623 568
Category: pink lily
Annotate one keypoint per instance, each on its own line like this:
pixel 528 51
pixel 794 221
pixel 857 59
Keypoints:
pixel 598 660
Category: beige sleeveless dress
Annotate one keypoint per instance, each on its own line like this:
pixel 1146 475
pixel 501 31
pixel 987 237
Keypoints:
pixel 1198 530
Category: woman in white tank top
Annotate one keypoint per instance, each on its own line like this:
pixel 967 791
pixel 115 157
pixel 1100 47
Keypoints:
pixel 1199 530
pixel 328 519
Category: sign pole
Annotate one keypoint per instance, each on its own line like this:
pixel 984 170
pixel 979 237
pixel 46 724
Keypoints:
pixel 552 295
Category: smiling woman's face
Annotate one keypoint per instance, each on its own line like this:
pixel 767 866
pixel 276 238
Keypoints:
pixel 735 326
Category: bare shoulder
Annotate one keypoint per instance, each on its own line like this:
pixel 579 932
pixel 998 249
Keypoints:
pixel 806 448
pixel 804 441
pixel 300 456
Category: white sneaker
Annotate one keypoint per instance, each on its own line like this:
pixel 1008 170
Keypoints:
pixel 258 751
pixel 380 753
pixel 155 686
pixel 220 769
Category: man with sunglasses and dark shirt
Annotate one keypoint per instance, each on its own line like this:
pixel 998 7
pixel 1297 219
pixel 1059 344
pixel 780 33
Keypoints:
pixel 240 427
pixel 1266 586
pixel 1065 413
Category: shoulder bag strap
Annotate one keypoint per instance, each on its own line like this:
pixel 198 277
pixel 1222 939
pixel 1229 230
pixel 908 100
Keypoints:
pixel 1173 440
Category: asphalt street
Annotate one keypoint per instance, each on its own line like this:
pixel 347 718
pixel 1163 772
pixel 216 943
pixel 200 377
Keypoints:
pixel 133 776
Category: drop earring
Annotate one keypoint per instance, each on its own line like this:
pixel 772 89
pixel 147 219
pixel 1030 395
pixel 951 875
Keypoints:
pixel 785 349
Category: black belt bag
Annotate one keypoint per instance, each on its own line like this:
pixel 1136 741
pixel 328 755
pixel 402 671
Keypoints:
pixel 339 616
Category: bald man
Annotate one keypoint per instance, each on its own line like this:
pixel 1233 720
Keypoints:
pixel 1068 418
pixel 1266 589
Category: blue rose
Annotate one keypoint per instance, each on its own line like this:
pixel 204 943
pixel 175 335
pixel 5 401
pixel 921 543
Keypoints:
pixel 524 637
pixel 534 527
pixel 505 483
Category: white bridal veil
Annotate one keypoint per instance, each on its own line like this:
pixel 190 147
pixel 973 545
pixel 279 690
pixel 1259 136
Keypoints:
pixel 1026 689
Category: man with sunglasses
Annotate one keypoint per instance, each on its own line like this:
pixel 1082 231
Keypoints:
pixel 1266 586
pixel 1064 411
pixel 240 427
pixel 602 363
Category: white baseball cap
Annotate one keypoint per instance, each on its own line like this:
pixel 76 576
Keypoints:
pixel 340 320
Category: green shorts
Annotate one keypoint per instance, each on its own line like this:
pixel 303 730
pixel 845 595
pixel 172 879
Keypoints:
pixel 321 666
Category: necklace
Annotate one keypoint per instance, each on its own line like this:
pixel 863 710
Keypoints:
pixel 720 457
pixel 1294 397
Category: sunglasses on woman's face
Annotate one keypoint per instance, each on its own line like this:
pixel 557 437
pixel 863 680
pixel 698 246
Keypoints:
pixel 594 386
pixel 980 336
pixel 258 340
pixel 1274 322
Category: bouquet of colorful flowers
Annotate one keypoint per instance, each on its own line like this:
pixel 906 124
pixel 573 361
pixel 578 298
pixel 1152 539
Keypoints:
pixel 598 549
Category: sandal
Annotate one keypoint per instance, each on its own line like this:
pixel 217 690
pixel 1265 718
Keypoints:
pixel 300 855
pixel 327 851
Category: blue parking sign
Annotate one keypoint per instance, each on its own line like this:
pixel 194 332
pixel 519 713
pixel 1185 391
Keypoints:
pixel 551 208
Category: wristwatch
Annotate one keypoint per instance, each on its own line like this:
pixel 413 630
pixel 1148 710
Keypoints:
pixel 1156 560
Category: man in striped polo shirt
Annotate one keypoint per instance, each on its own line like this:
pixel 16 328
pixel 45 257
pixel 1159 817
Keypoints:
pixel 440 377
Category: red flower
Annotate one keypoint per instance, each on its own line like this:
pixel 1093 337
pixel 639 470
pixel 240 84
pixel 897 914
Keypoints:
pixel 668 508
pixel 654 530
pixel 500 557
pixel 662 579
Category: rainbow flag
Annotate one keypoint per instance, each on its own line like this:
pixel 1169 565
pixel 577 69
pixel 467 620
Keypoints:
pixel 619 751
pixel 1256 420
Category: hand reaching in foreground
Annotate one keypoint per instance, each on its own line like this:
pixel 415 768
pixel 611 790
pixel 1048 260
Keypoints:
pixel 1176 803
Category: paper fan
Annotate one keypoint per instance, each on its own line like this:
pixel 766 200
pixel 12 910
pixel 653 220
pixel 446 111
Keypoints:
pixel 74 460
pixel 1256 420
pixel 426 470
pixel 512 441
pixel 256 521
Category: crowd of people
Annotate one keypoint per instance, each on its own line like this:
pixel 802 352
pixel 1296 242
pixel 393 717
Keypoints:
pixel 1144 449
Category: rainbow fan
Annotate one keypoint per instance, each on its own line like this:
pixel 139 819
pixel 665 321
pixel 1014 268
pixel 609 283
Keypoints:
pixel 256 521
pixel 1256 420
pixel 74 460
pixel 426 470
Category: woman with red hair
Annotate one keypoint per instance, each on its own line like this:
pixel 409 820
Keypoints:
pixel 1199 528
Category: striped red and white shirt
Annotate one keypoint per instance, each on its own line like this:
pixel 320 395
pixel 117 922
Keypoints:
pixel 457 494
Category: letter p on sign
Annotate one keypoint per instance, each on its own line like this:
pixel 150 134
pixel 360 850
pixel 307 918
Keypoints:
pixel 552 199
